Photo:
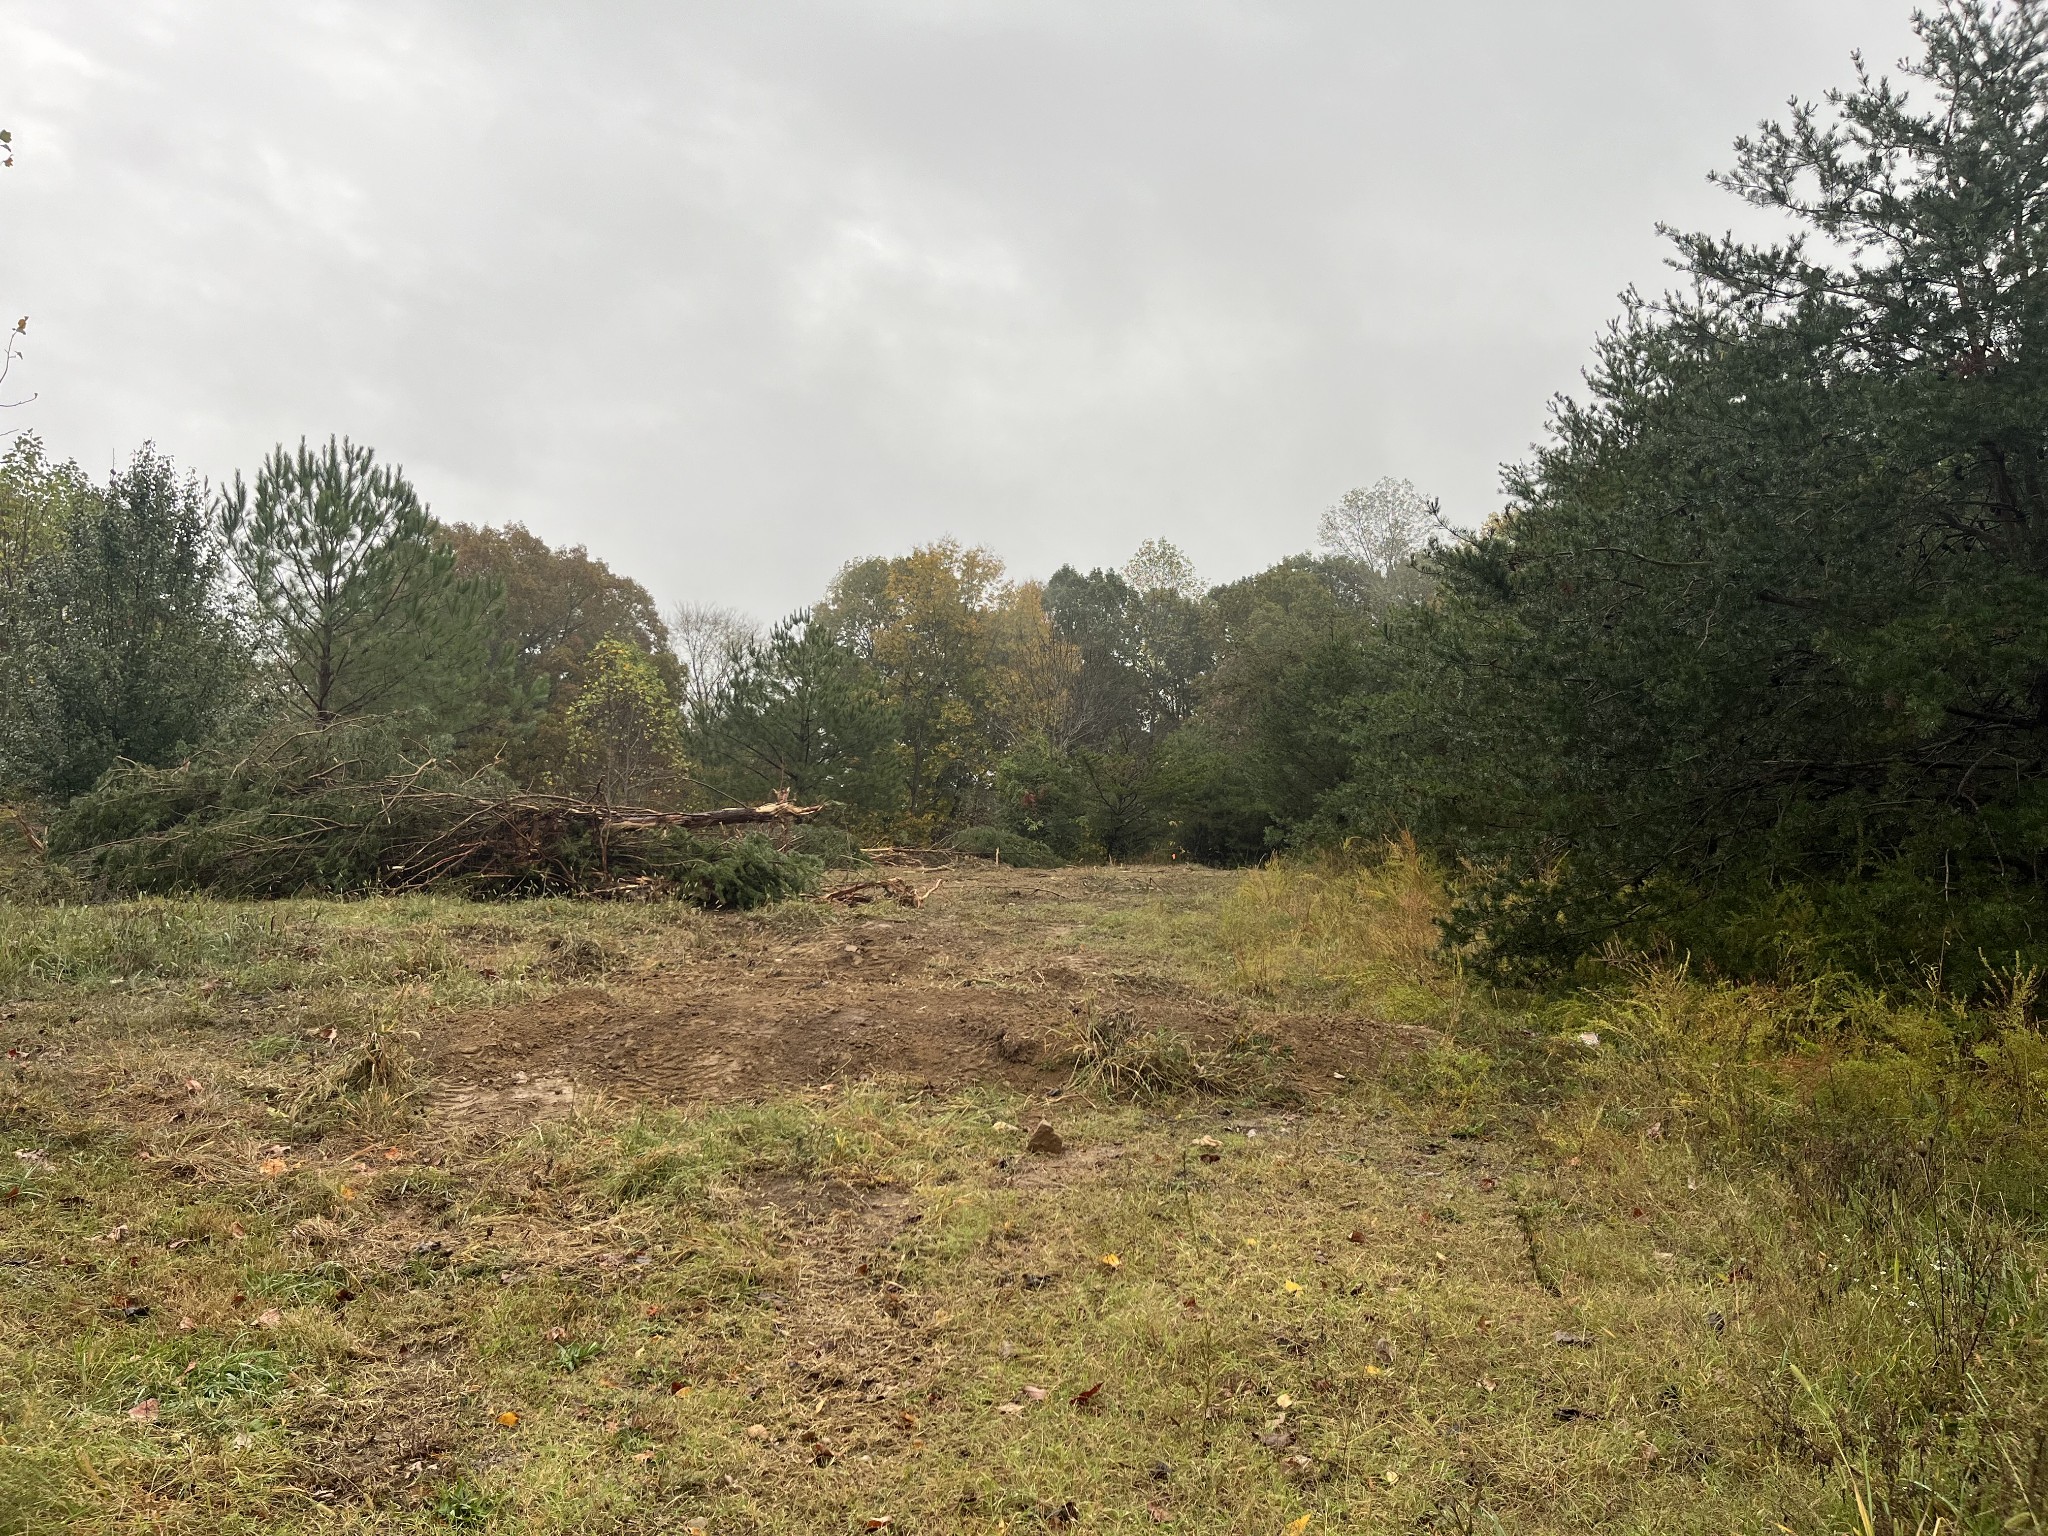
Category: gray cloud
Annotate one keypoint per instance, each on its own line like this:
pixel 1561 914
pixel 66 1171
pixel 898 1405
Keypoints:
pixel 733 293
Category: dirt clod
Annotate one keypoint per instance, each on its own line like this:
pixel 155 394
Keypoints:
pixel 1045 1141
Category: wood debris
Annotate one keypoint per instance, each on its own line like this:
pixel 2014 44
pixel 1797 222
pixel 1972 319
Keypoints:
pixel 862 892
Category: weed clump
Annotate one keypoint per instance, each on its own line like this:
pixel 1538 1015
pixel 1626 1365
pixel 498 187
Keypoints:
pixel 1108 1053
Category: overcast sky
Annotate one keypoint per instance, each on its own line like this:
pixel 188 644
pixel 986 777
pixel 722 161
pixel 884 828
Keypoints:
pixel 735 293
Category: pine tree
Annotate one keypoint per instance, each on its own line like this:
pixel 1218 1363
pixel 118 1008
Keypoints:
pixel 360 604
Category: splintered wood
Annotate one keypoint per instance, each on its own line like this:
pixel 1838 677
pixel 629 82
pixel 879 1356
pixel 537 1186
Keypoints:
pixel 861 892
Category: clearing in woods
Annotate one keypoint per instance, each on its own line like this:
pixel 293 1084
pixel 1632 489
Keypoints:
pixel 419 1215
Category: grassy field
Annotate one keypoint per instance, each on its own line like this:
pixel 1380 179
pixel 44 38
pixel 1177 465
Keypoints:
pixel 1338 1239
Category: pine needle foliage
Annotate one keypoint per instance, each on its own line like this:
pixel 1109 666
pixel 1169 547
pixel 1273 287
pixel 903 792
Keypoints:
pixel 347 811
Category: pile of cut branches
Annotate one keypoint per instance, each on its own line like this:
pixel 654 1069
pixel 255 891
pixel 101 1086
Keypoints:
pixel 307 813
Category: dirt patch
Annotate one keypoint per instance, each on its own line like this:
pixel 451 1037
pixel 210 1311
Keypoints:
pixel 521 1097
pixel 957 994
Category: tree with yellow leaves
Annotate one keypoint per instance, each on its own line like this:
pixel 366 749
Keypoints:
pixel 624 724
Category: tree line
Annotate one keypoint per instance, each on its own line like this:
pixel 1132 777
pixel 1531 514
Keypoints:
pixel 927 696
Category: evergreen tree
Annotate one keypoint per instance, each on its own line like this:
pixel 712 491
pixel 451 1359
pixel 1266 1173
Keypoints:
pixel 802 710
pixel 359 602
pixel 1759 656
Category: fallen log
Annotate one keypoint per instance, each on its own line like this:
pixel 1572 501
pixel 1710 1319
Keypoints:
pixel 730 816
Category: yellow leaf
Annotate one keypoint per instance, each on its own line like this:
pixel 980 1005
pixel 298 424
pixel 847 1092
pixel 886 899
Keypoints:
pixel 1111 1261
pixel 271 1167
pixel 348 1192
pixel 1290 1287
pixel 509 1419
pixel 1296 1526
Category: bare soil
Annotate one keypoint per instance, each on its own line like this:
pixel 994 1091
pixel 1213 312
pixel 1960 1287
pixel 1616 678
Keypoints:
pixel 979 986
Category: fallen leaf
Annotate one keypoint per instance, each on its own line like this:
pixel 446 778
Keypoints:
pixel 193 1085
pixel 1283 1401
pixel 1011 1408
pixel 1157 1512
pixel 1110 1261
pixel 1207 1141
pixel 393 1155
pixel 269 1318
pixel 757 1432
pixel 1296 1526
pixel 1572 1340
pixel 1391 1476
pixel 1357 1235
pixel 144 1412
pixel 271 1167
pixel 186 1325
pixel 1486 1383
pixel 509 1419
pixel 1086 1397
pixel 878 1522
pixel 643 1457
pixel 1291 1287
pixel 1036 1394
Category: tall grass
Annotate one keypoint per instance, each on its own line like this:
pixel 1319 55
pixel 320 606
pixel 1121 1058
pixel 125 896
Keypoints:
pixel 1343 928
pixel 1878 1206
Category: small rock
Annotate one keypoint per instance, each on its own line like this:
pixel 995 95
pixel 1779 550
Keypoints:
pixel 1045 1141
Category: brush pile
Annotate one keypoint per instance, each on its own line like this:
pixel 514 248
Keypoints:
pixel 327 812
